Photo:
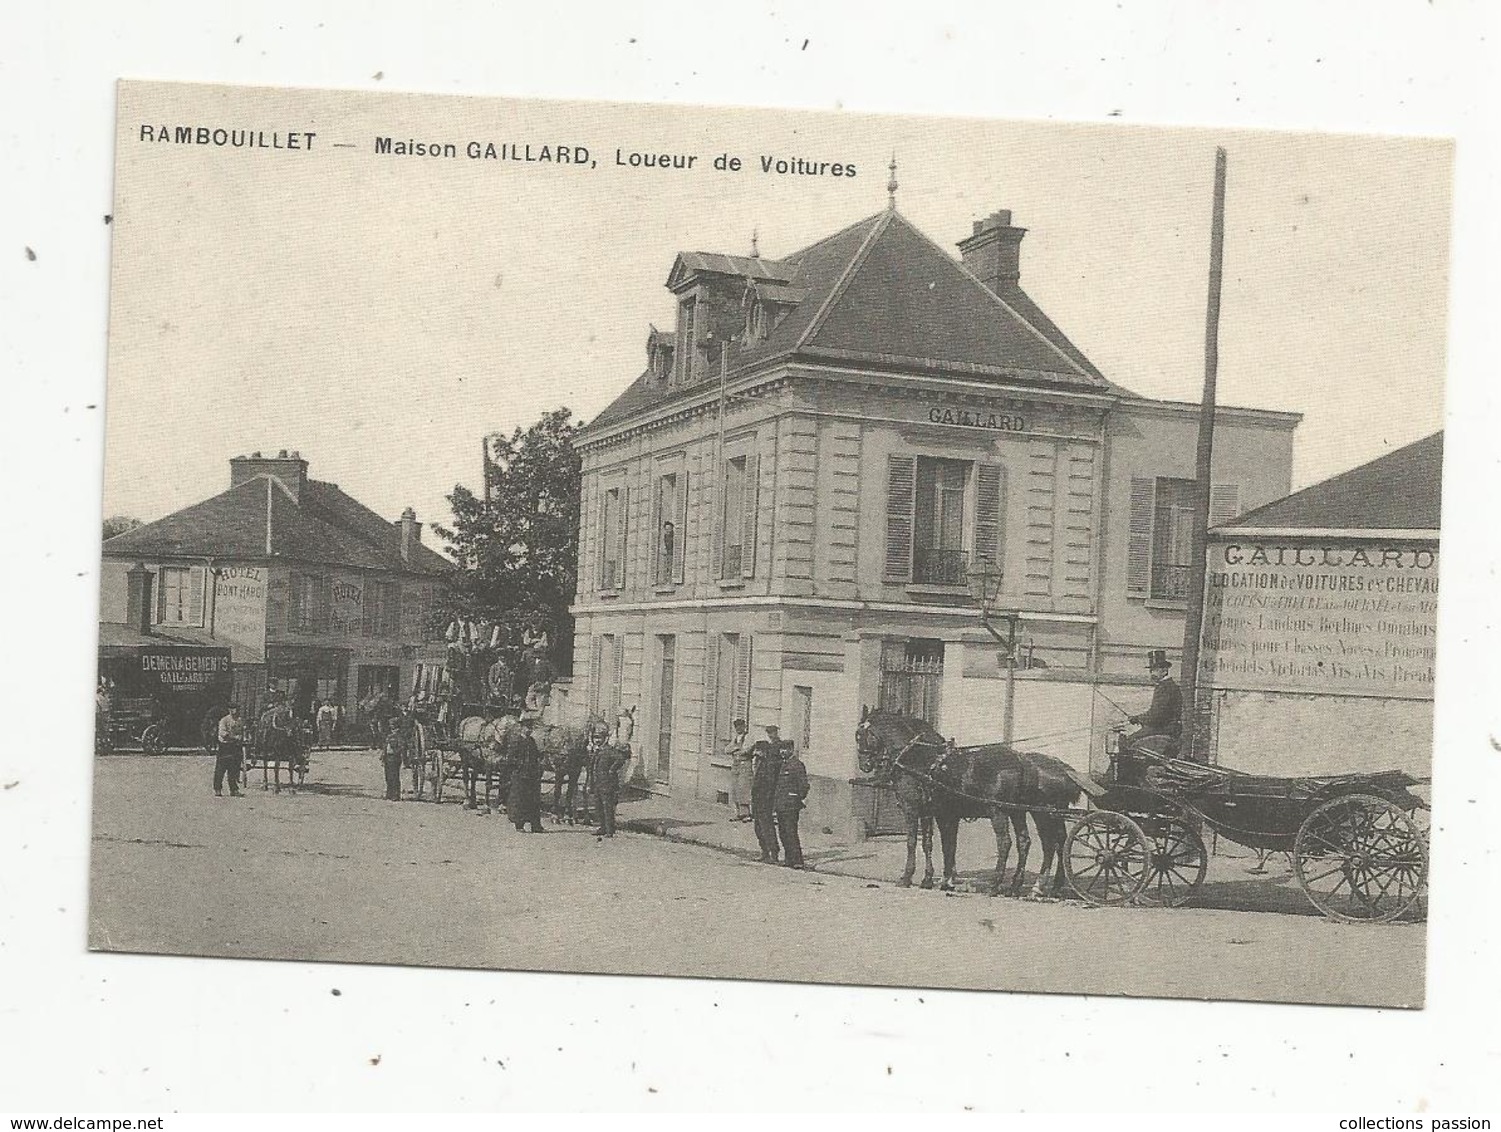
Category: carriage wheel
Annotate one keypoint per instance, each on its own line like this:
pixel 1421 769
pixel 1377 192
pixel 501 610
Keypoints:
pixel 1176 863
pixel 1360 858
pixel 153 740
pixel 1105 858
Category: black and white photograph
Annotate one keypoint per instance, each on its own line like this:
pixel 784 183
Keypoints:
pixel 599 526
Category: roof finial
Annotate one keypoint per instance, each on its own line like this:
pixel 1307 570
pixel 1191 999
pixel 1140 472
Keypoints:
pixel 891 184
pixel 755 243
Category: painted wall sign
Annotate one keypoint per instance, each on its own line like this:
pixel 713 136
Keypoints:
pixel 1348 619
pixel 976 418
pixel 347 615
pixel 179 672
pixel 240 611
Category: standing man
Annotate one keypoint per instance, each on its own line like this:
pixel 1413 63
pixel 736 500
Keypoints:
pixel 391 756
pixel 742 771
pixel 606 763
pixel 1165 716
pixel 792 789
pixel 768 766
pixel 327 717
pixel 231 748
pixel 524 798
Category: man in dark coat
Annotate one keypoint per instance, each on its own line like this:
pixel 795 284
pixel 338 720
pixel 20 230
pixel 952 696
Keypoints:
pixel 1165 716
pixel 391 754
pixel 764 791
pixel 524 799
pixel 787 804
pixel 606 762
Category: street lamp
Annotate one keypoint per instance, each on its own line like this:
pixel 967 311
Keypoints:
pixel 985 586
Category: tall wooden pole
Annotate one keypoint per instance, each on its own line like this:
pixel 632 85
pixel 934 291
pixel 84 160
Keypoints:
pixel 1194 623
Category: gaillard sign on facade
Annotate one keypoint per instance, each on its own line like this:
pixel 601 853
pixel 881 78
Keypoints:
pixel 976 418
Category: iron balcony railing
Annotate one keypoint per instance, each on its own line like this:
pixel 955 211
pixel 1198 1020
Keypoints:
pixel 940 567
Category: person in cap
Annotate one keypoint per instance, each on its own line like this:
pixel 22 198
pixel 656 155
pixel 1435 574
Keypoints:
pixel 768 766
pixel 608 758
pixel 231 736
pixel 392 752
pixel 1165 715
pixel 742 770
pixel 787 803
pixel 524 797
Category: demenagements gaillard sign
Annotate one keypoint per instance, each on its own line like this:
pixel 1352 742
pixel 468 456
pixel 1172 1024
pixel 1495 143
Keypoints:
pixel 1302 616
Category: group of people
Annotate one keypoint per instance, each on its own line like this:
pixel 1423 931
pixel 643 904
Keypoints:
pixel 769 788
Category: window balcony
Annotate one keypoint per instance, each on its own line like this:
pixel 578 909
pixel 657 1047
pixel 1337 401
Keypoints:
pixel 940 567
pixel 1170 583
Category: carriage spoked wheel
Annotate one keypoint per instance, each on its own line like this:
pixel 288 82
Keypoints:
pixel 1176 862
pixel 1106 858
pixel 154 740
pixel 1361 858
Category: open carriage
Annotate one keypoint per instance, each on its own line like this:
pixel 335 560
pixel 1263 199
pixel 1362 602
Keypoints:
pixel 129 722
pixel 1357 841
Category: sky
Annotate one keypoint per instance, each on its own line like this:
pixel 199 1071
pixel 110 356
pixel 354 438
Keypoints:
pixel 380 314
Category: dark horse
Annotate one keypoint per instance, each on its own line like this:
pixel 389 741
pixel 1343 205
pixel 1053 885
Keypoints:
pixel 937 782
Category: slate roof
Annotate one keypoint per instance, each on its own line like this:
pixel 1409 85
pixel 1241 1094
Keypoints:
pixel 326 527
pixel 122 640
pixel 1395 492
pixel 879 292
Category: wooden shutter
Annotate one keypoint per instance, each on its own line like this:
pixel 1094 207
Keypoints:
pixel 596 666
pixel 623 507
pixel 989 515
pixel 195 596
pixel 721 516
pixel 743 677
pixel 750 496
pixel 618 676
pixel 901 502
pixel 711 693
pixel 393 608
pixel 680 528
pixel 1224 503
pixel 655 503
pixel 598 539
pixel 1139 540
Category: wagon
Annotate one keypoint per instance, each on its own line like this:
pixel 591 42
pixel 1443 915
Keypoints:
pixel 435 753
pixel 1358 850
pixel 130 721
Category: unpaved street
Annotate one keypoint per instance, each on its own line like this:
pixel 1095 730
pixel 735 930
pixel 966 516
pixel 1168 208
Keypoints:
pixel 333 872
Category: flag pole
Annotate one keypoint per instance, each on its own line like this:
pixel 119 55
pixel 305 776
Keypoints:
pixel 1194 622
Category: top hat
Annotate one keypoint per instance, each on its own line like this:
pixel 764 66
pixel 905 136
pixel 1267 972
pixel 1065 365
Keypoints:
pixel 1156 659
pixel 773 730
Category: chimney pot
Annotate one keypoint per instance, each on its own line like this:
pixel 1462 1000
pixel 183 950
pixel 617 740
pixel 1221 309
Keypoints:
pixel 138 581
pixel 992 252
pixel 255 455
pixel 282 455
pixel 977 227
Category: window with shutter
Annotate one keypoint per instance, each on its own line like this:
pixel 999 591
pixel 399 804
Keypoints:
pixel 680 543
pixel 1224 503
pixel 1139 539
pixel 751 494
pixel 669 530
pixel 901 487
pixel 622 525
pixel 1173 518
pixel 990 516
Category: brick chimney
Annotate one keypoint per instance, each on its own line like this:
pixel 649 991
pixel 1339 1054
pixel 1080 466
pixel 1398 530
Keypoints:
pixel 992 252
pixel 411 533
pixel 138 581
pixel 289 468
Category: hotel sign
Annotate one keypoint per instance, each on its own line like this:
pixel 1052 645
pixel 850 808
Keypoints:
pixel 1299 616
pixel 976 418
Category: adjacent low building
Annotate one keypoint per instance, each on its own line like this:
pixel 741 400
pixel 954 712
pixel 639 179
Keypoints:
pixel 310 591
pixel 1321 619
pixel 781 514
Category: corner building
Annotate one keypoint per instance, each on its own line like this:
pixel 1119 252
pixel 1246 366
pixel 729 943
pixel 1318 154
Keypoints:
pixel 781 512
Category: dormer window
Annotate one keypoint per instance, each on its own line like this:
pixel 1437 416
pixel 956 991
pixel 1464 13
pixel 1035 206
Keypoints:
pixel 687 344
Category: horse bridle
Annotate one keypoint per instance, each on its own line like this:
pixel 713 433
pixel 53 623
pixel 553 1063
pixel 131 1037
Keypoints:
pixel 894 763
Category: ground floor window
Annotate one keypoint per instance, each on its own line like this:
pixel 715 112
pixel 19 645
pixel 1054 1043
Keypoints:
pixel 667 683
pixel 727 684
pixel 912 678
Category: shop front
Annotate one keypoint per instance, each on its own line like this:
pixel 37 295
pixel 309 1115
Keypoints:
pixel 305 673
pixel 177 683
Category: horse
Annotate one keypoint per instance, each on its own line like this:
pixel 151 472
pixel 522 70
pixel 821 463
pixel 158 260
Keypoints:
pixel 481 753
pixel 274 746
pixel 938 783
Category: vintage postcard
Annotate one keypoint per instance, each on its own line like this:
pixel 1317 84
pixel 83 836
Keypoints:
pixel 770 545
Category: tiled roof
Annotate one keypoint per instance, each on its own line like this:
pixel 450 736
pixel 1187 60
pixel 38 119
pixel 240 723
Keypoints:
pixel 879 292
pixel 1395 492
pixel 326 527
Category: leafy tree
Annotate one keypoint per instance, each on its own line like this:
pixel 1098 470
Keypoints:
pixel 518 552
pixel 118 525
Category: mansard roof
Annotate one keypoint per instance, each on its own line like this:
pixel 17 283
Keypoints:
pixel 880 294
